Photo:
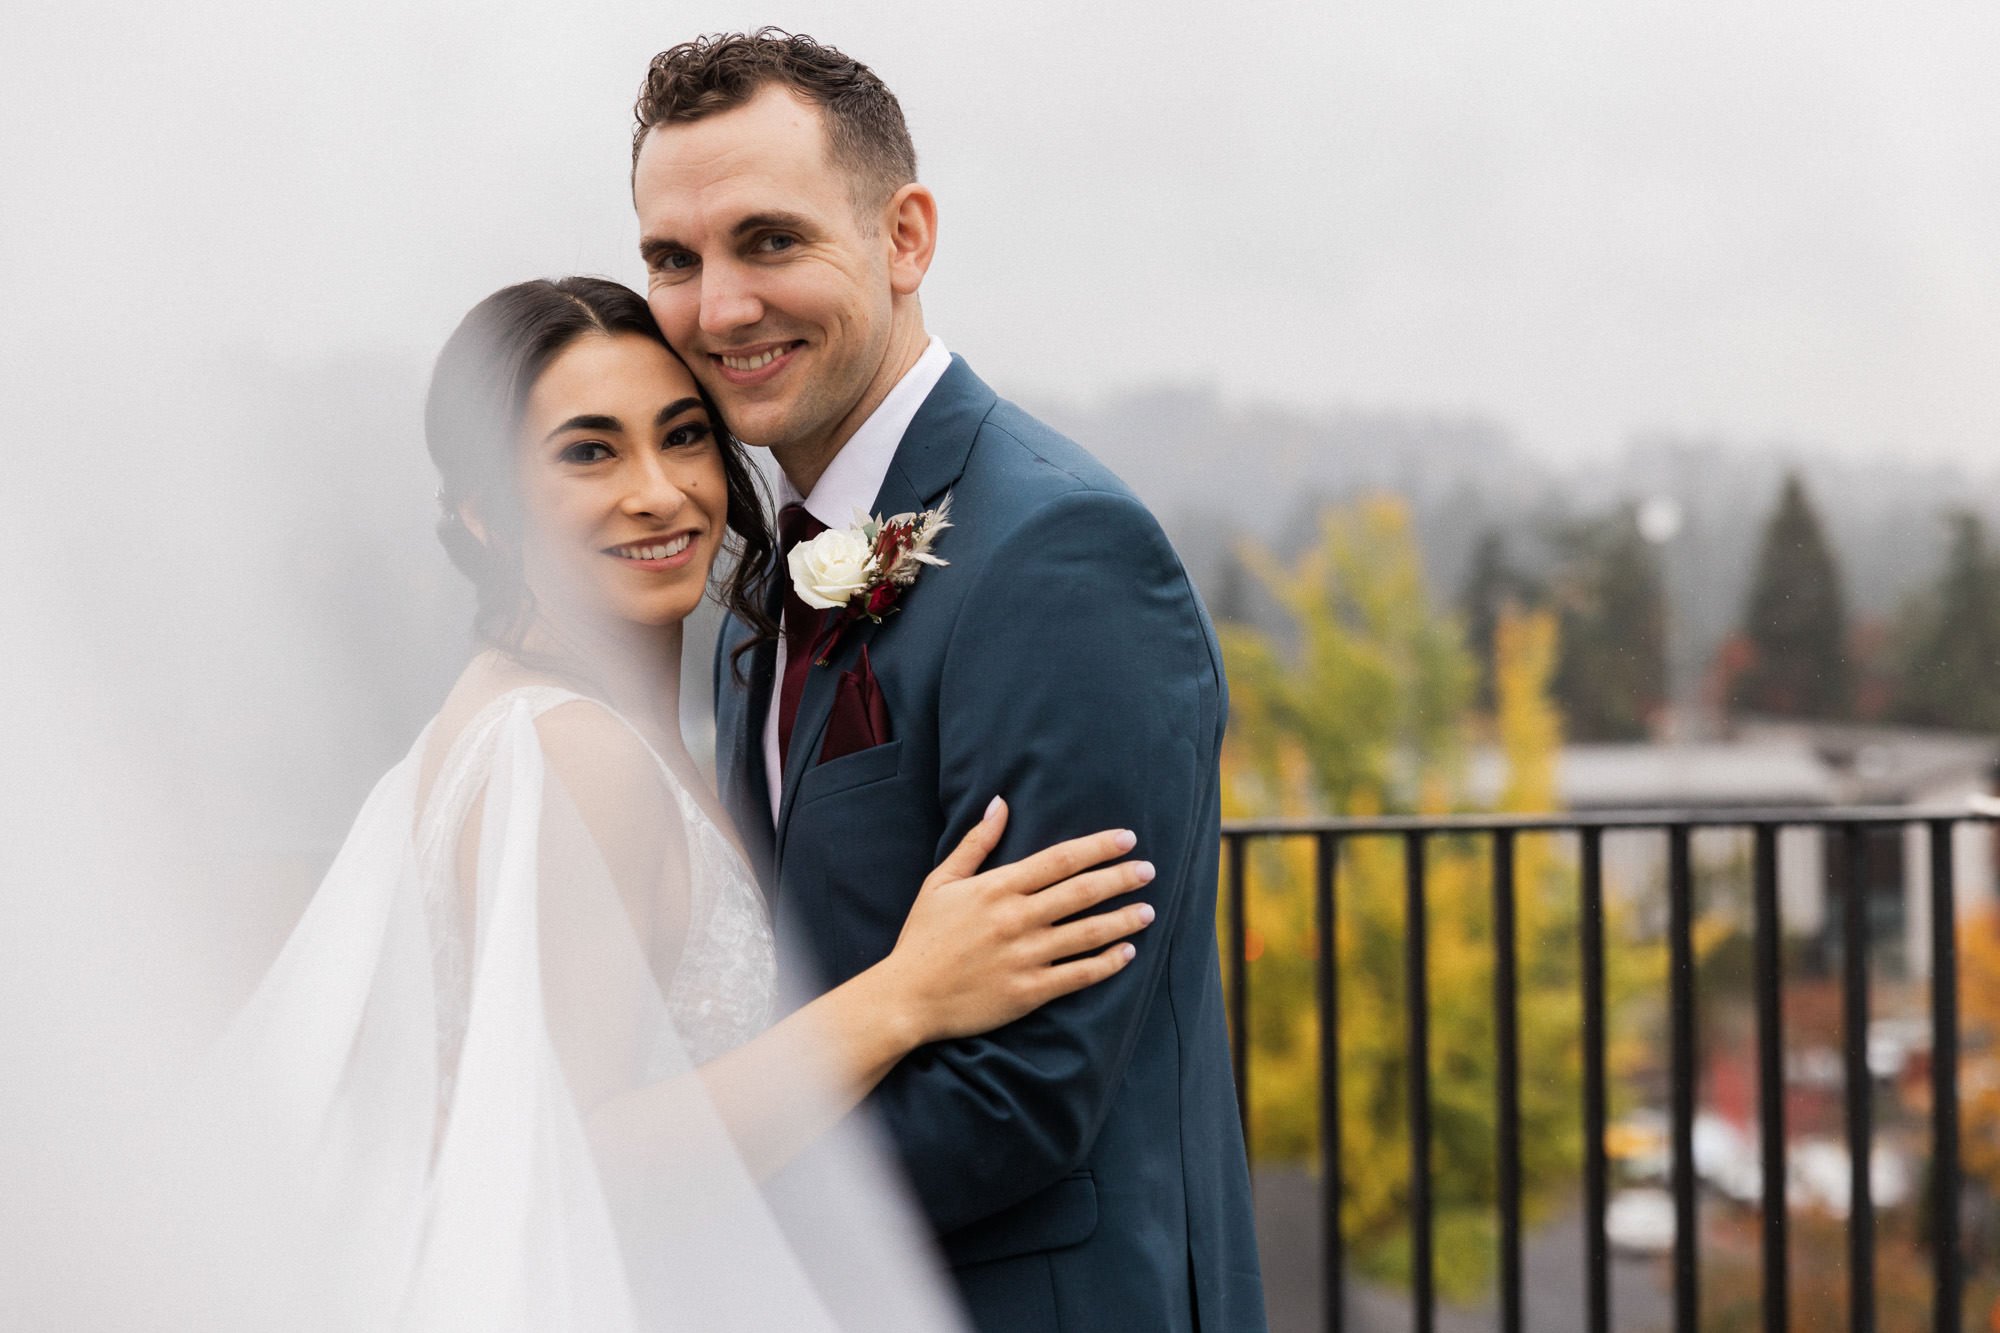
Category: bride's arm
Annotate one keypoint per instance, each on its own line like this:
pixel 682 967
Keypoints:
pixel 979 950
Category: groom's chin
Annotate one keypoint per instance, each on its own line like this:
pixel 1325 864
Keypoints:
pixel 755 425
pixel 748 440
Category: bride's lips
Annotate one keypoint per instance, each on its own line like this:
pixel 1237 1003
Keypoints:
pixel 655 553
pixel 756 364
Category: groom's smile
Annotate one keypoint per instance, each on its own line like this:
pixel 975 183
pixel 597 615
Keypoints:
pixel 786 282
pixel 755 365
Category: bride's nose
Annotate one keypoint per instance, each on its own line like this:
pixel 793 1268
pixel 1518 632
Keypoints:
pixel 652 488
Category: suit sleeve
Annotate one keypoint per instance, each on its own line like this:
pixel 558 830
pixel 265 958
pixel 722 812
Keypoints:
pixel 1081 684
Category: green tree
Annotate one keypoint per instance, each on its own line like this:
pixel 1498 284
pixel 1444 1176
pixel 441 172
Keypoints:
pixel 1795 621
pixel 1949 671
pixel 1364 707
pixel 1611 678
pixel 1493 586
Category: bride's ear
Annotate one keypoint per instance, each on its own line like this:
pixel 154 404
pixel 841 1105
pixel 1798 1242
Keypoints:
pixel 469 519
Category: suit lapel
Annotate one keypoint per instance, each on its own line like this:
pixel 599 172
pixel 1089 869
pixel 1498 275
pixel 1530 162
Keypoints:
pixel 815 708
pixel 740 744
pixel 930 457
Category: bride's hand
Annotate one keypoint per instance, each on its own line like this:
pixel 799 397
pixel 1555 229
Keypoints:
pixel 980 950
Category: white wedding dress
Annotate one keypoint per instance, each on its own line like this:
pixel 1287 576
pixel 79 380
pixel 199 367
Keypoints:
pixel 481 974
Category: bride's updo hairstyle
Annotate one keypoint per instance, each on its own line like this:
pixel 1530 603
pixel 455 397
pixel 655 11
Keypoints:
pixel 472 426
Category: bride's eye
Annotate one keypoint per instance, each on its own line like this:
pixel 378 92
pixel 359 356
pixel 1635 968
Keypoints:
pixel 682 436
pixel 586 451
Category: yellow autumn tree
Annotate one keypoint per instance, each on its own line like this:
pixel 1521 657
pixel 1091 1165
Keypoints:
pixel 1979 1100
pixel 1364 704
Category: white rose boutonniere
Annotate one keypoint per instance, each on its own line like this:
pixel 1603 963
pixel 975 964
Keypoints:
pixel 862 570
pixel 828 570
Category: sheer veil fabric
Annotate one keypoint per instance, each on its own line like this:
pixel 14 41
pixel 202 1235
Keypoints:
pixel 446 1043
pixel 421 1117
pixel 224 616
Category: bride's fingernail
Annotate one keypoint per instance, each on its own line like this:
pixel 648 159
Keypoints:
pixel 992 808
pixel 1146 913
pixel 1143 871
pixel 1124 840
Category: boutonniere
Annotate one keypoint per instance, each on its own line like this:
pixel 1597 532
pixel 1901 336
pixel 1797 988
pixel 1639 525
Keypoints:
pixel 863 570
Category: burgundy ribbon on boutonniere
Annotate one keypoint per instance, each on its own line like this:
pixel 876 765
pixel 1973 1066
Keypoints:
pixel 862 571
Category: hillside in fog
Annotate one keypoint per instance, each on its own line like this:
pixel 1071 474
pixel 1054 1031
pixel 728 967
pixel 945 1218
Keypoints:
pixel 1218 472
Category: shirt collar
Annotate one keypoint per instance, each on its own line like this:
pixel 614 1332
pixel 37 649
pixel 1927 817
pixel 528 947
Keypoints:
pixel 855 476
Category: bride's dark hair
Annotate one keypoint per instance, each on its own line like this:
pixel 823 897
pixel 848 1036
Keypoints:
pixel 472 425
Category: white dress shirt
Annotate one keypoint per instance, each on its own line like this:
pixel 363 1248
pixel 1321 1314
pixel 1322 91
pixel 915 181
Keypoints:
pixel 851 481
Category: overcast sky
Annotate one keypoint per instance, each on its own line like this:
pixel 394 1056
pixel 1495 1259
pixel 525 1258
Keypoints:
pixel 1583 220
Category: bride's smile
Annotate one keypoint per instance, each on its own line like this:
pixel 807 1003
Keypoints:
pixel 621 483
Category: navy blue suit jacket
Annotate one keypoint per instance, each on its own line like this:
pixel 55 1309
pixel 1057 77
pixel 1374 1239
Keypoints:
pixel 1083 1167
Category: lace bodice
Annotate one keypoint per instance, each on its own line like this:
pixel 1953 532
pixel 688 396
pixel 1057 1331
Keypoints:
pixel 719 988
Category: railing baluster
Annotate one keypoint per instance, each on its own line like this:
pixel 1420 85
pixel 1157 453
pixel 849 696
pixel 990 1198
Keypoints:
pixel 1239 984
pixel 1946 1316
pixel 1326 866
pixel 1596 1173
pixel 1506 1001
pixel 1771 1078
pixel 1853 826
pixel 1680 945
pixel 1860 1088
pixel 1417 1008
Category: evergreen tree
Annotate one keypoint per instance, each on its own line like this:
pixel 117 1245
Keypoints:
pixel 1795 621
pixel 1492 588
pixel 1949 675
pixel 1229 600
pixel 1611 676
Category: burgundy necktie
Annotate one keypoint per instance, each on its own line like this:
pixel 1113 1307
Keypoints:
pixel 801 622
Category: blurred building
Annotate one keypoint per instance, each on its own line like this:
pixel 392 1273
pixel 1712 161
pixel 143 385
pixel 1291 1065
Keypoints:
pixel 1786 764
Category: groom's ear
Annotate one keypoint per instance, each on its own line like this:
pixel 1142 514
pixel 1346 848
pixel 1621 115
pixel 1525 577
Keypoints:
pixel 909 222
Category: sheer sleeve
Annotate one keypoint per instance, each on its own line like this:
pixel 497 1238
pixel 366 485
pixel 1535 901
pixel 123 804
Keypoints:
pixel 581 896
pixel 407 1117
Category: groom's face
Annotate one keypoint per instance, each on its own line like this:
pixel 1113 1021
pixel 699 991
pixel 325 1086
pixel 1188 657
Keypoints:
pixel 762 270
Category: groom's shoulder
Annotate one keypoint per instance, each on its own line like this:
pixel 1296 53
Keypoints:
pixel 1032 462
pixel 1030 490
pixel 1024 478
pixel 1024 490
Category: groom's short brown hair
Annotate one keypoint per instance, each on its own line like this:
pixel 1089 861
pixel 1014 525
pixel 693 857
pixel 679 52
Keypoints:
pixel 865 132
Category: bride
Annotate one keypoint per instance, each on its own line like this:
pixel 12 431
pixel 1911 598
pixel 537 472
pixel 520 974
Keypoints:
pixel 521 1063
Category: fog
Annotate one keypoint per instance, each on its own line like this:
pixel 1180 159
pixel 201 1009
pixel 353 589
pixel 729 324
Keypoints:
pixel 1582 222
pixel 233 236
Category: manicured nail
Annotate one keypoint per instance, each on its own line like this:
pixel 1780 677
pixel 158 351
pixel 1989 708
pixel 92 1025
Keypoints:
pixel 993 808
pixel 1130 951
pixel 1144 871
pixel 1146 913
pixel 1125 840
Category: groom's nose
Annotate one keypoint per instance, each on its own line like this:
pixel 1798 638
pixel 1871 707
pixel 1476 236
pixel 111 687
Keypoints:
pixel 728 299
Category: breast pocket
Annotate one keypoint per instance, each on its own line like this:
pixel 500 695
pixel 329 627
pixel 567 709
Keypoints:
pixel 875 764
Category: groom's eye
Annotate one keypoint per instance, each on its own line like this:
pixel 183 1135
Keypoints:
pixel 776 242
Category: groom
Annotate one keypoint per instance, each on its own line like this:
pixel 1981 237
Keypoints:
pixel 1083 1167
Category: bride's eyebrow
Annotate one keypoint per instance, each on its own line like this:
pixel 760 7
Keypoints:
pixel 585 422
pixel 674 409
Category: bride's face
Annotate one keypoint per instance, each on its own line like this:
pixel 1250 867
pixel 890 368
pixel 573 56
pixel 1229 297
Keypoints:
pixel 622 490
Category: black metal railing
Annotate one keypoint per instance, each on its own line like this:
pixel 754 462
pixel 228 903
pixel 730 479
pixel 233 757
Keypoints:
pixel 1851 825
